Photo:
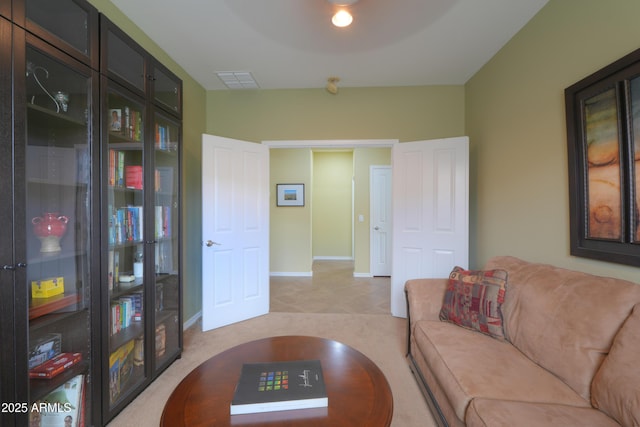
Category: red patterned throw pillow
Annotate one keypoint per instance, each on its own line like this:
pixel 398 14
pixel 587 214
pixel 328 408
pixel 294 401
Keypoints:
pixel 473 300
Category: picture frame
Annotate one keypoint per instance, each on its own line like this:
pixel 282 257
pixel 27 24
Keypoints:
pixel 603 147
pixel 289 194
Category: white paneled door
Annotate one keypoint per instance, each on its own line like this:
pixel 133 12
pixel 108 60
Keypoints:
pixel 235 231
pixel 381 226
pixel 430 212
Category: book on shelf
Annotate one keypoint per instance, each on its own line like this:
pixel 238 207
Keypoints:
pixel 120 369
pixel 126 224
pixel 279 386
pixel 125 310
pixel 64 406
pixel 55 365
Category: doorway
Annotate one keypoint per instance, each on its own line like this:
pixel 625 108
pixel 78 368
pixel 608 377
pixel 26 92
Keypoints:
pixel 332 205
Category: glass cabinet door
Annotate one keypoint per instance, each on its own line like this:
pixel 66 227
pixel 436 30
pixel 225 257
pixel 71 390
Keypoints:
pixel 57 232
pixel 69 24
pixel 166 237
pixel 125 279
pixel 122 59
pixel 167 90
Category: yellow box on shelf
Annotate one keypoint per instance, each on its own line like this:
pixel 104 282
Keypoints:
pixel 46 288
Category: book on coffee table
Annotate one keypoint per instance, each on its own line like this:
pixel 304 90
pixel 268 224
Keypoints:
pixel 279 386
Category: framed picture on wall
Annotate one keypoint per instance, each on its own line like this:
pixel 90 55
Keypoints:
pixel 290 194
pixel 603 141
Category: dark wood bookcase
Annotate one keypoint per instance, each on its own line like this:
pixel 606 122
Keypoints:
pixel 64 69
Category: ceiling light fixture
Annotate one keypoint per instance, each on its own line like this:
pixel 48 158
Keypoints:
pixel 342 18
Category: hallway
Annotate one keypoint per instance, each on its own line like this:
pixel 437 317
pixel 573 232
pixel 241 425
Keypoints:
pixel 332 289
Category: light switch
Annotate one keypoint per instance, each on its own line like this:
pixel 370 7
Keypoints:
pixel 360 218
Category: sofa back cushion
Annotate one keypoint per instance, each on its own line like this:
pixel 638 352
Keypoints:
pixel 616 387
pixel 563 320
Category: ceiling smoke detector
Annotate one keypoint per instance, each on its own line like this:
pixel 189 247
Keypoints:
pixel 342 17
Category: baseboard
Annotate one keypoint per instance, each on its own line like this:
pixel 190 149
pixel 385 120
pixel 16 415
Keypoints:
pixel 333 258
pixel 190 322
pixel 292 273
pixel 365 275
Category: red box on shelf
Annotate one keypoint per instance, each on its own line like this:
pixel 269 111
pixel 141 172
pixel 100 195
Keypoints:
pixel 133 177
pixel 55 366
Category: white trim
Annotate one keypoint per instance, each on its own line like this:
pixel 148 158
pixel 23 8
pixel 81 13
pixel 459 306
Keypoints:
pixel 331 143
pixel 365 275
pixel 291 273
pixel 190 322
pixel 333 258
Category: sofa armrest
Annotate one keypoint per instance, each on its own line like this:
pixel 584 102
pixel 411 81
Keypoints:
pixel 424 298
pixel 424 301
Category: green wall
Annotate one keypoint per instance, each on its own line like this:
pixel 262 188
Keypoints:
pixel 194 123
pixel 515 119
pixel 404 113
pixel 290 227
pixel 332 204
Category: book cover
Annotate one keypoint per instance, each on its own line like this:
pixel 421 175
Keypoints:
pixel 55 366
pixel 64 406
pixel 279 386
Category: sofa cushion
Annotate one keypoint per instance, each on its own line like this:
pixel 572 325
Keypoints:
pixel 615 388
pixel 473 299
pixel 564 320
pixel 467 364
pixel 503 413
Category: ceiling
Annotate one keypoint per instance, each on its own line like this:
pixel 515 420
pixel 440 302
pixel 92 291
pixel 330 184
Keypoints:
pixel 292 43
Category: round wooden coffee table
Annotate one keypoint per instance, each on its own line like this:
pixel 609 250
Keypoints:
pixel 359 394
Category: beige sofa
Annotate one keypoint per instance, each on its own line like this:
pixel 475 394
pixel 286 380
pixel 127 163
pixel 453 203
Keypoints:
pixel 570 354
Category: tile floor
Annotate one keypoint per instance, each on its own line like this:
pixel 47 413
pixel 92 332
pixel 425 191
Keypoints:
pixel 331 289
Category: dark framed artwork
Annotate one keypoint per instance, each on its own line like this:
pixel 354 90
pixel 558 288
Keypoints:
pixel 290 194
pixel 603 142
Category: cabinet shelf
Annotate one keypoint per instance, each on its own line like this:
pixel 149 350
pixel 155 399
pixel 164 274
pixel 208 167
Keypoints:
pixel 60 256
pixel 44 306
pixel 41 387
pixel 119 139
pixel 135 330
pixel 50 118
pixel 126 288
pixel 44 181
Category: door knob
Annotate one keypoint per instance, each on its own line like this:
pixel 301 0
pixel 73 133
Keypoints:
pixel 210 243
pixel 376 228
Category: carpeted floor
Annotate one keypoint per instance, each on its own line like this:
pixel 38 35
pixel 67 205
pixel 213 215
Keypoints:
pixel 320 311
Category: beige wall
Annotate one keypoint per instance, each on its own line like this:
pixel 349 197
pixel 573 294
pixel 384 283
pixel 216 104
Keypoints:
pixel 194 119
pixel 515 119
pixel 290 227
pixel 332 204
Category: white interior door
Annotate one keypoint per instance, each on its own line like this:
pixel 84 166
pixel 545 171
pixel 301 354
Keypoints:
pixel 430 212
pixel 380 221
pixel 235 231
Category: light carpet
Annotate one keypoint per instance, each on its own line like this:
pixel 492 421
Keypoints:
pixel 382 338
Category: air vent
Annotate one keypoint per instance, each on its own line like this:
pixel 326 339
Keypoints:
pixel 238 79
